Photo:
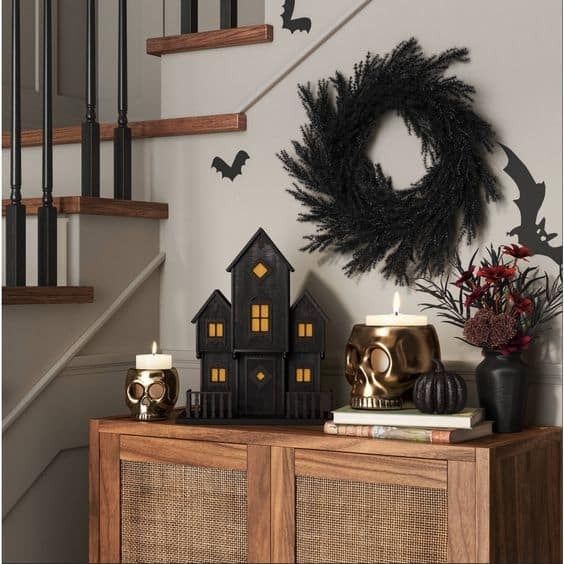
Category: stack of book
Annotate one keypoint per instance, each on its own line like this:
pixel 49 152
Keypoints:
pixel 410 425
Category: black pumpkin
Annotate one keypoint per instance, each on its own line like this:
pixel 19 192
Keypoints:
pixel 439 391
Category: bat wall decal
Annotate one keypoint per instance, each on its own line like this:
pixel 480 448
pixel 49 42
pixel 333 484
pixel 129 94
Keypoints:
pixel 531 197
pixel 297 24
pixel 231 171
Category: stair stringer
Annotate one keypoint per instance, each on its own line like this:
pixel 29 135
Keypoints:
pixel 105 252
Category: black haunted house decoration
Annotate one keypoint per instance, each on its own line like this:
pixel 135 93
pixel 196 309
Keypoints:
pixel 260 358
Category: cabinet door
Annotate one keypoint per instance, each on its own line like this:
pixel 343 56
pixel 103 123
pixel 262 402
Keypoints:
pixel 344 507
pixel 171 500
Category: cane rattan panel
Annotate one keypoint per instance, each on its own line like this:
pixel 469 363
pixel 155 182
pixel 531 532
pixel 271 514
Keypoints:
pixel 345 521
pixel 176 513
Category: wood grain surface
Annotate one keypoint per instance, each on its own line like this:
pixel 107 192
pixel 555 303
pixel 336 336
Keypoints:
pixel 192 453
pixel 169 127
pixel 311 437
pixel 110 496
pixel 93 492
pixel 372 469
pixel 461 512
pixel 526 506
pixel 258 503
pixel 234 37
pixel 283 513
pixel 82 205
pixel 53 295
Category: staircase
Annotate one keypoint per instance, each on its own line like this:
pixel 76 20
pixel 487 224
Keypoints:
pixel 114 249
pixel 107 253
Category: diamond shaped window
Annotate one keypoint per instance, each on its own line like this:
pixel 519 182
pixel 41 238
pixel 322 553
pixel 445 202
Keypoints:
pixel 260 376
pixel 260 270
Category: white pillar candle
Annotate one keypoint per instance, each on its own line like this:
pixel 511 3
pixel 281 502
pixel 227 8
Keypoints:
pixel 396 319
pixel 153 361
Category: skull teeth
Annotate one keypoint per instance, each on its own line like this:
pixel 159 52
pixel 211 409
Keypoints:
pixel 375 403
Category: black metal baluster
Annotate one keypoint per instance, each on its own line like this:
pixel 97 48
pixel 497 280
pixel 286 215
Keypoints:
pixel 188 16
pixel 15 212
pixel 90 127
pixel 47 213
pixel 122 133
pixel 229 409
pixel 228 14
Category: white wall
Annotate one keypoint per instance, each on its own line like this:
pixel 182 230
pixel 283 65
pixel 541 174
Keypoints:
pixel 516 69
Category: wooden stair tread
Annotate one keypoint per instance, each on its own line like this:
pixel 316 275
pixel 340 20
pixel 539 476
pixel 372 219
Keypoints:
pixel 195 125
pixel 47 295
pixel 97 206
pixel 234 37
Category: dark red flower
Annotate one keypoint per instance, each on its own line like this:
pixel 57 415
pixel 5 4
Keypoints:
pixel 496 273
pixel 519 343
pixel 475 295
pixel 522 304
pixel 517 251
pixel 464 277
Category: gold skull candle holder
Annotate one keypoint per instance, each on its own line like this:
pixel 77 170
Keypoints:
pixel 384 357
pixel 151 394
pixel 151 388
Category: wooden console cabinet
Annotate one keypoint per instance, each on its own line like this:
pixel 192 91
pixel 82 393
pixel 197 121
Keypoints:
pixel 170 493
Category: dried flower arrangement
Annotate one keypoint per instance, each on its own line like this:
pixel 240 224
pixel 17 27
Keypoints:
pixel 501 304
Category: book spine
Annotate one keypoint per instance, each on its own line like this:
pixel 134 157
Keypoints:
pixel 414 434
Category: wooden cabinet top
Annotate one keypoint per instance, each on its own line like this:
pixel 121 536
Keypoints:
pixel 313 438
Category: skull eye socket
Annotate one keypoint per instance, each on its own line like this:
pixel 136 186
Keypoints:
pixel 156 391
pixel 379 361
pixel 136 391
pixel 353 358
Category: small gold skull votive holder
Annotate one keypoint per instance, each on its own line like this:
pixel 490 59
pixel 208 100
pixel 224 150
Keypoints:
pixel 382 363
pixel 151 394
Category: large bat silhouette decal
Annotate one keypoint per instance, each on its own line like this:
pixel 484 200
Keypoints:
pixel 235 169
pixel 531 197
pixel 297 24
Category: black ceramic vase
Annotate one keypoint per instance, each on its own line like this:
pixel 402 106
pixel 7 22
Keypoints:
pixel 502 390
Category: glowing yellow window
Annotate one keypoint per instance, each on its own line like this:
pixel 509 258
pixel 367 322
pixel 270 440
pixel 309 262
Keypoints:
pixel 260 376
pixel 303 374
pixel 259 270
pixel 218 375
pixel 305 329
pixel 260 318
pixel 215 329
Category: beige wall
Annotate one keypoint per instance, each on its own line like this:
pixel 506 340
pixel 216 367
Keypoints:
pixel 516 69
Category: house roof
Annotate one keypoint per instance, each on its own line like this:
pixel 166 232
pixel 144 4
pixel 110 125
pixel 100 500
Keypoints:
pixel 260 232
pixel 216 294
pixel 307 296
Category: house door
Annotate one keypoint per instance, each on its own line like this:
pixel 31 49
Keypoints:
pixel 261 391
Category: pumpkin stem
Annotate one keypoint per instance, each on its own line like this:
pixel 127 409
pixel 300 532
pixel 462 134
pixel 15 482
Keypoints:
pixel 438 365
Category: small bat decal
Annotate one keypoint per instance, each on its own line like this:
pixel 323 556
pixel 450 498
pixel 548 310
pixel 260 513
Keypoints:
pixel 297 24
pixel 231 171
pixel 531 197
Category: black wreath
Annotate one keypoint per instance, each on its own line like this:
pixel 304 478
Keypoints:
pixel 353 203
